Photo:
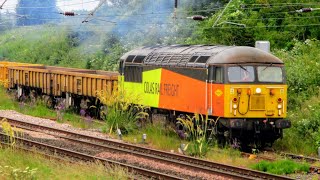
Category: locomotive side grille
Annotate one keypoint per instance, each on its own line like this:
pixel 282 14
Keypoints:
pixel 175 59
pixel 185 59
pixel 151 58
pixel 257 102
pixel 167 59
pixel 160 58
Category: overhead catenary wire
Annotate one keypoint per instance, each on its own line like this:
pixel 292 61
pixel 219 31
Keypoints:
pixel 280 4
pixel 220 15
pixel 217 27
pixel 94 10
pixel 1 6
pixel 153 13
pixel 235 20
pixel 207 10
pixel 186 28
pixel 155 24
pixel 272 18
pixel 45 7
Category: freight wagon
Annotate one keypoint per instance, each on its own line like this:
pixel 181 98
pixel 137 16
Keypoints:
pixel 70 85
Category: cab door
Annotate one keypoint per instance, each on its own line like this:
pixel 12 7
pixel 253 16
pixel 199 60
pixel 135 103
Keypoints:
pixel 209 89
pixel 215 91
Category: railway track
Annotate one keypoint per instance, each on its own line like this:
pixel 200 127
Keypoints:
pixel 177 159
pixel 53 151
pixel 300 157
pixel 286 155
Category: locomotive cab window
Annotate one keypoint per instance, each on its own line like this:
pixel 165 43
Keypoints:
pixel 270 74
pixel 133 74
pixel 241 73
pixel 215 74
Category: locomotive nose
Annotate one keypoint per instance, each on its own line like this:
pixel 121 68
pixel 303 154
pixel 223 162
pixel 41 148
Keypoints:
pixel 257 101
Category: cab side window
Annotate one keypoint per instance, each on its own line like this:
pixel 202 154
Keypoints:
pixel 133 74
pixel 215 74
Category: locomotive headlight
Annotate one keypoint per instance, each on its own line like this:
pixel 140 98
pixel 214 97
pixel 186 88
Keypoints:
pixel 235 106
pixel 279 106
pixel 258 90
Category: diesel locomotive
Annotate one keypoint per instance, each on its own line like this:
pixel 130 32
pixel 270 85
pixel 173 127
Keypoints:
pixel 242 89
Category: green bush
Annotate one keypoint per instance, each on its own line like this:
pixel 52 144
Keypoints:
pixel 120 113
pixel 302 65
pixel 303 71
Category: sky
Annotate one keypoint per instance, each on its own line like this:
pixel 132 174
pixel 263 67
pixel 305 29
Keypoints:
pixel 64 5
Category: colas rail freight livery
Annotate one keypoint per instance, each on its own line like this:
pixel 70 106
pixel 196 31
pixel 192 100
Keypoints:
pixel 242 89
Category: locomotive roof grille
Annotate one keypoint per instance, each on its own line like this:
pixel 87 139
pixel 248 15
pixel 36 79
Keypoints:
pixel 198 55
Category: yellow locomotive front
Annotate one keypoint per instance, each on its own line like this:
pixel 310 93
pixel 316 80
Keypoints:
pixel 255 105
pixel 248 97
pixel 256 91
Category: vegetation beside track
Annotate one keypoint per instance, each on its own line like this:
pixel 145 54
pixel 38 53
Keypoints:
pixel 282 167
pixel 303 77
pixel 16 164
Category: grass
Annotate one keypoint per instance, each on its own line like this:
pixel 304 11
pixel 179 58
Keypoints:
pixel 158 137
pixel 228 156
pixel 15 164
pixel 282 167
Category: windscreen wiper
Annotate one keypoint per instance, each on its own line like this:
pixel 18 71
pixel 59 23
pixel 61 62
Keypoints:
pixel 242 67
pixel 267 67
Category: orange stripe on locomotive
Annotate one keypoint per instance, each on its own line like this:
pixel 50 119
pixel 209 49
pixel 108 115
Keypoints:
pixel 186 94
pixel 182 93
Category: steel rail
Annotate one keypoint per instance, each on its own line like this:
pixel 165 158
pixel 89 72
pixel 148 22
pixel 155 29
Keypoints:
pixel 251 174
pixel 300 157
pixel 89 158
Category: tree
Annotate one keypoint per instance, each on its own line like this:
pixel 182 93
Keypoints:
pixel 246 21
